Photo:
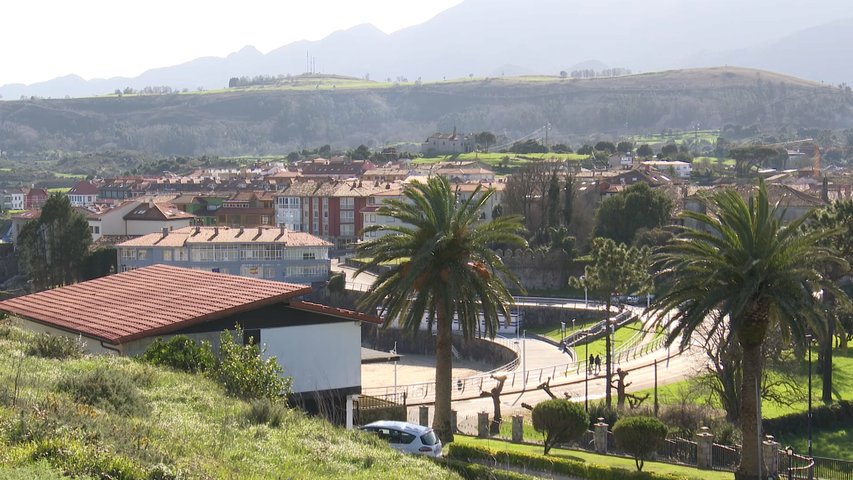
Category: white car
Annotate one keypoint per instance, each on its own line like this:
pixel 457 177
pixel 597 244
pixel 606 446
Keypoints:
pixel 407 437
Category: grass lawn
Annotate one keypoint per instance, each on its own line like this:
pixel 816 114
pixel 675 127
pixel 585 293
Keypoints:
pixel 69 175
pixel 59 189
pixel 581 456
pixel 620 336
pixel 833 443
pixel 553 332
pixel 497 159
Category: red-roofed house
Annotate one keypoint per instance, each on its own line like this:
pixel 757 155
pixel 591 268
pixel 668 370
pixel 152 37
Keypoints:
pixel 84 194
pixel 151 217
pixel 318 346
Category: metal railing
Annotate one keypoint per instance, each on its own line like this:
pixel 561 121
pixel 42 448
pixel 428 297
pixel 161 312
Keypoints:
pixel 831 468
pixel 678 450
pixel 724 457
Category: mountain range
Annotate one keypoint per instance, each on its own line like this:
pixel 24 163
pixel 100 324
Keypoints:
pixel 493 38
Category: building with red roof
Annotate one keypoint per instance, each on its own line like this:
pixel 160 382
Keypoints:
pixel 318 346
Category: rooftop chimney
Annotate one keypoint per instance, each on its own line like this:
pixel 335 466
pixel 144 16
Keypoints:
pixel 165 231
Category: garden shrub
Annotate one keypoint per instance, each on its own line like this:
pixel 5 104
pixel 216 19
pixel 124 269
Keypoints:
pixel 475 471
pixel 552 465
pixel 639 436
pixel 181 353
pixel 599 410
pixel 263 411
pixel 837 415
pixel 245 373
pixel 105 388
pixel 560 421
pixel 55 346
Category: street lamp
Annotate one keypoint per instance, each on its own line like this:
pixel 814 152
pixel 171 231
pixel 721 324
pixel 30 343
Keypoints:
pixel 809 339
pixel 562 330
pixel 394 352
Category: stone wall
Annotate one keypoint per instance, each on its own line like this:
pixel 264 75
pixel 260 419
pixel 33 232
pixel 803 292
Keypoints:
pixel 537 270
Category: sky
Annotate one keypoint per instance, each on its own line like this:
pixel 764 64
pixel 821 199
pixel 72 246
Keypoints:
pixel 44 39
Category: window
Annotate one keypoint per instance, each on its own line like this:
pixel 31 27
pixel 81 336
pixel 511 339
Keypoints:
pixel 325 203
pixel 347 229
pixel 308 255
pixel 347 203
pixel 95 229
pixel 167 255
pixel 347 216
pixel 142 254
pixel 252 336
pixel 128 254
pixel 180 255
pixel 250 271
pixel 269 272
pixel 265 219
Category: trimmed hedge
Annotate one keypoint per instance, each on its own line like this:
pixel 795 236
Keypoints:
pixel 475 471
pixel 837 415
pixel 553 465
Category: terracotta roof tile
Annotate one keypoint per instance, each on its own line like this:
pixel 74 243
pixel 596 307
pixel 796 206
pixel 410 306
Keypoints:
pixel 149 301
pixel 187 235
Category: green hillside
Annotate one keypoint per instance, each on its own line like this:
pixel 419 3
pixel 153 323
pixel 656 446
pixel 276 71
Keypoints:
pixel 170 425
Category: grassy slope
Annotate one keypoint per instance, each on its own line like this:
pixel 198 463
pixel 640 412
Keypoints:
pixel 191 425
pixel 612 461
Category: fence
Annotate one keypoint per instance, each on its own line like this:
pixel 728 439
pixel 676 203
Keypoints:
pixel 677 450
pixel 724 457
pixel 833 469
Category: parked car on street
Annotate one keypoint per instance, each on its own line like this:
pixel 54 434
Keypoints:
pixel 406 437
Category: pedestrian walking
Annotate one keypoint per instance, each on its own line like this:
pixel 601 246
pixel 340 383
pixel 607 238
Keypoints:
pixel 591 364
pixel 597 363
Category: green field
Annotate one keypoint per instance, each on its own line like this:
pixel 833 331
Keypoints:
pixel 675 137
pixel 620 336
pixel 592 458
pixel 553 332
pixel 59 189
pixel 69 175
pixel 497 159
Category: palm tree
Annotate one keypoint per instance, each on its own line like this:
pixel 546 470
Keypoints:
pixel 442 267
pixel 743 266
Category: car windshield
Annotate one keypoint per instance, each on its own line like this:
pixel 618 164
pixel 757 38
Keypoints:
pixel 429 438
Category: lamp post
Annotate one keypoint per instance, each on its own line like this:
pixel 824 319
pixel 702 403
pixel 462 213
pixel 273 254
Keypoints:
pixel 562 330
pixel 809 425
pixel 394 352
pixel 586 375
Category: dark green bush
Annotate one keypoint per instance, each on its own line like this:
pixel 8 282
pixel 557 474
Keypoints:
pixel 55 346
pixel 181 353
pixel 552 465
pixel 104 388
pixel 837 415
pixel 263 411
pixel 640 436
pixel 560 421
pixel 475 471
pixel 245 373
pixel 599 410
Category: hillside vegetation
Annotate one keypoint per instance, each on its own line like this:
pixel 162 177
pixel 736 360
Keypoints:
pixel 279 119
pixel 162 424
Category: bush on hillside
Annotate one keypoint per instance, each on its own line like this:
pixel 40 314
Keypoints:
pixel 181 353
pixel 56 346
pixel 263 411
pixel 640 436
pixel 104 388
pixel 560 421
pixel 244 372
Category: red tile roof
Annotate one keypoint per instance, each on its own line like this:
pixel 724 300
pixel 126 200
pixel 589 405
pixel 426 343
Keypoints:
pixel 335 312
pixel 84 187
pixel 149 301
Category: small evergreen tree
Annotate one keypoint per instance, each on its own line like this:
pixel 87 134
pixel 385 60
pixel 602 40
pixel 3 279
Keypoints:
pixel 559 420
pixel 640 436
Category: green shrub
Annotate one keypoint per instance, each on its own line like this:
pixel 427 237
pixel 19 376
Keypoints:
pixel 599 410
pixel 837 415
pixel 104 388
pixel 77 459
pixel 475 471
pixel 264 411
pixel 559 420
pixel 551 465
pixel 181 353
pixel 640 436
pixel 55 346
pixel 245 374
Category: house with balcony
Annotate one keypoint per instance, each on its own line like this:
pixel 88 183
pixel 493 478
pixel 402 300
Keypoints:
pixel 270 253
pixel 149 217
pixel 83 194
pixel 247 209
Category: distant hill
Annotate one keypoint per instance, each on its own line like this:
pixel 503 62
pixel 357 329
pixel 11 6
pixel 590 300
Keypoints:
pixel 508 37
pixel 346 112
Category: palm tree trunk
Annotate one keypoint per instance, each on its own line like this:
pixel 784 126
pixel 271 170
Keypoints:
pixel 443 374
pixel 608 375
pixel 750 412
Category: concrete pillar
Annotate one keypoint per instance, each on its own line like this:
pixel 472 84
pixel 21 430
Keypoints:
pixel 349 406
pixel 599 436
pixel 704 448
pixel 771 455
pixel 483 424
pixel 423 415
pixel 454 424
pixel 517 428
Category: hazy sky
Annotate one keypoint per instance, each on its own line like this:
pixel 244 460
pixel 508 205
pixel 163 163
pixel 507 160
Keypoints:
pixel 43 39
